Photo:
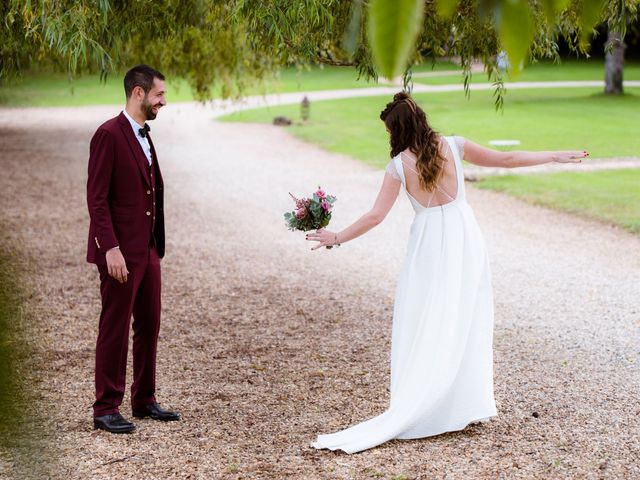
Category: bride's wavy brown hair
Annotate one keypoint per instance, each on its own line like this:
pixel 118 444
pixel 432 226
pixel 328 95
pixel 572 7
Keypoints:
pixel 409 128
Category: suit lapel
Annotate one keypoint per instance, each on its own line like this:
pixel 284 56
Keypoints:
pixel 136 149
pixel 155 162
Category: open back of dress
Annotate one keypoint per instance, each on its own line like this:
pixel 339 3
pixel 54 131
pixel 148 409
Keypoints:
pixel 403 167
pixel 441 354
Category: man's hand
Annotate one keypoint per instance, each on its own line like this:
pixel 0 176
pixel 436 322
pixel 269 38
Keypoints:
pixel 116 265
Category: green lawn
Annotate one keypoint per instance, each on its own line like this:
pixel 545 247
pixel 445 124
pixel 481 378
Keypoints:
pixel 592 69
pixel 612 196
pixel 55 90
pixel 544 119
pixel 47 89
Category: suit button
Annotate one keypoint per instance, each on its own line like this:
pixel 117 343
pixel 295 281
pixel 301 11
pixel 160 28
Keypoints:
pixel 148 192
pixel 148 213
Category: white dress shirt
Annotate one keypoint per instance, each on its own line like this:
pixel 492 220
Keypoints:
pixel 143 141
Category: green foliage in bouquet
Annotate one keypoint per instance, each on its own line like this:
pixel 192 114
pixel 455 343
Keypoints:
pixel 310 213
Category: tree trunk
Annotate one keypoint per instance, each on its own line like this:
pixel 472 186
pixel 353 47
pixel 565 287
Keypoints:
pixel 613 64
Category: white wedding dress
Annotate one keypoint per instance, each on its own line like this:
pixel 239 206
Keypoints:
pixel 441 353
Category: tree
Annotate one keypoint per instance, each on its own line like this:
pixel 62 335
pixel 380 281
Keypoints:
pixel 614 64
pixel 238 42
pixel 621 14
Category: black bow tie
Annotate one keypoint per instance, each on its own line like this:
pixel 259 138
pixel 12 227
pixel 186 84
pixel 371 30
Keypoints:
pixel 144 131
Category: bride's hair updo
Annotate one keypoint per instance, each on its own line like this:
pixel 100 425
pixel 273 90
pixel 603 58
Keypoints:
pixel 409 128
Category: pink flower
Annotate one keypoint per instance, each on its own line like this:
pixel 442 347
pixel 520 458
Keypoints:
pixel 325 205
pixel 320 193
pixel 301 213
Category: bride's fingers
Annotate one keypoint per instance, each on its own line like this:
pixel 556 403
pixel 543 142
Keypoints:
pixel 316 236
pixel 572 157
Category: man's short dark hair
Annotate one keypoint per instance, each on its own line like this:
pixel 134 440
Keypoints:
pixel 140 76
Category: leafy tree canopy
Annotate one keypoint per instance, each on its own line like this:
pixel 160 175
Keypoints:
pixel 239 42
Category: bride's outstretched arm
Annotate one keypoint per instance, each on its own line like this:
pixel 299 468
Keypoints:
pixel 385 200
pixel 487 157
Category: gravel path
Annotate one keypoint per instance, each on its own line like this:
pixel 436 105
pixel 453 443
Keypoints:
pixel 264 343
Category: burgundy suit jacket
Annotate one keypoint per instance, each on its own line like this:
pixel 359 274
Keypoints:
pixel 124 195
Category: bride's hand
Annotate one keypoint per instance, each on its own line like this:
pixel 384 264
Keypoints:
pixel 569 157
pixel 324 237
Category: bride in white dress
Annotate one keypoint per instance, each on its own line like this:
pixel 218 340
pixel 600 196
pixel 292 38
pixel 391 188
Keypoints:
pixel 441 353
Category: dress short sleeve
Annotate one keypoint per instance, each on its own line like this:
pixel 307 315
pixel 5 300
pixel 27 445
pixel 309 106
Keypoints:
pixel 460 145
pixel 391 170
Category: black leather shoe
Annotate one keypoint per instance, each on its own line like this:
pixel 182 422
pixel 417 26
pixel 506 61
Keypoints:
pixel 156 412
pixel 113 423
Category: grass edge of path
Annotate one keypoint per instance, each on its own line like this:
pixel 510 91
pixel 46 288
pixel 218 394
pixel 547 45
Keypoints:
pixel 593 195
pixel 25 449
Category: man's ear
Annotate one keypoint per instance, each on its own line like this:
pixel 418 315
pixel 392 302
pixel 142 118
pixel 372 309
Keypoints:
pixel 138 92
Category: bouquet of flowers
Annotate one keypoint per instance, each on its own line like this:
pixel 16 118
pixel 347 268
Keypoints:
pixel 310 213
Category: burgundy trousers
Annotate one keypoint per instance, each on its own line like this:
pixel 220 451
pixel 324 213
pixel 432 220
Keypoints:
pixel 138 296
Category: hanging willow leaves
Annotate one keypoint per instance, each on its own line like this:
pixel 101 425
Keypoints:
pixel 446 7
pixel 236 43
pixel 350 40
pixel 393 27
pixel 589 18
pixel 515 28
pixel 552 8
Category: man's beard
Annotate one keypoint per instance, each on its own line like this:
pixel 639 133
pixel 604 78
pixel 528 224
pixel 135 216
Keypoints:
pixel 147 109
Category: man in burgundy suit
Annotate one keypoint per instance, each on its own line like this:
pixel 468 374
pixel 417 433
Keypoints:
pixel 126 241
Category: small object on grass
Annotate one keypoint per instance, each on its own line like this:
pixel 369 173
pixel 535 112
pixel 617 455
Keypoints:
pixel 282 121
pixel 504 144
pixel 470 177
pixel 304 108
